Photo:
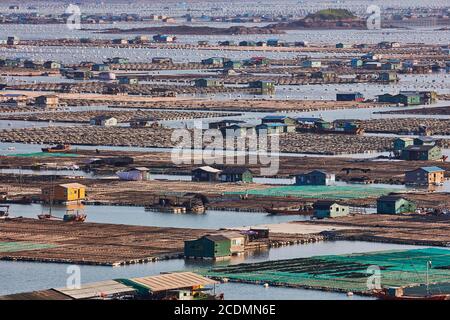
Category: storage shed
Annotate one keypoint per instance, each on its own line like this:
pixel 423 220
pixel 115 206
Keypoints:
pixel 394 205
pixel 425 176
pixel 236 174
pixel 315 178
pixel 205 173
pixel 329 209
pixel 208 246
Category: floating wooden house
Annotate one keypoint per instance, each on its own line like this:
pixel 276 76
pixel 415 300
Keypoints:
pixel 205 173
pixel 236 174
pixel 350 96
pixel 47 101
pixel 208 83
pixel 394 205
pixel 315 178
pixel 62 193
pixel 421 153
pixel 135 174
pixel 425 176
pixel 329 209
pixel 104 121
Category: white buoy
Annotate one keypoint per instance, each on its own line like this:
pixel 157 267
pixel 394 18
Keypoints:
pixel 349 294
pixel 266 285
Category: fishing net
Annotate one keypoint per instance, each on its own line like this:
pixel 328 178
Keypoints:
pixel 345 272
pixel 322 192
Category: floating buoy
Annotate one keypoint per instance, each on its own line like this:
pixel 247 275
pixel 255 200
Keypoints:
pixel 266 285
pixel 349 294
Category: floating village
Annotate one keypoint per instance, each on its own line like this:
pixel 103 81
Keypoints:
pixel 215 150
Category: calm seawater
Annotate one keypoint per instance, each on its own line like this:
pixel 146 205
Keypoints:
pixel 28 276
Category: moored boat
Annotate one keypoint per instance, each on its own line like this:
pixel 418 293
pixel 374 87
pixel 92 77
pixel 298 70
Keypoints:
pixel 48 216
pixel 303 210
pixel 57 148
pixel 386 295
pixel 70 217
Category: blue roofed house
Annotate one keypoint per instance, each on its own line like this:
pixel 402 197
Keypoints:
pixel 238 130
pixel 273 42
pixel 272 128
pixel 315 178
pixel 425 176
pixel 278 119
pixel 307 120
pixel 275 122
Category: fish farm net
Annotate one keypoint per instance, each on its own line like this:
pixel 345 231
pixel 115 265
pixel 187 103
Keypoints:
pixel 345 272
pixel 23 246
pixel 323 192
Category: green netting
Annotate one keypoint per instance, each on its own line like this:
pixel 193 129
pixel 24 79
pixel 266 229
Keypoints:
pixel 345 272
pixel 321 192
pixel 24 246
pixel 45 154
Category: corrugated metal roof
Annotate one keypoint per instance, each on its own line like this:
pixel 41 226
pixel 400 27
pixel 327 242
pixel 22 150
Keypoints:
pixel 274 117
pixel 171 281
pixel 391 198
pixel 96 289
pixel 216 237
pixel 72 185
pixel 208 169
pixel 432 169
pixel 37 295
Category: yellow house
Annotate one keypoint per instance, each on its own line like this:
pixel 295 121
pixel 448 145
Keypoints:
pixel 64 193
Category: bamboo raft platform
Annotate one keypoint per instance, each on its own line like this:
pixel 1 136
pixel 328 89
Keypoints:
pixel 136 89
pixel 330 144
pixel 405 125
pixel 24 239
pixel 121 115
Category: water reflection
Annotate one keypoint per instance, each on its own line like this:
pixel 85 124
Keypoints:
pixel 138 216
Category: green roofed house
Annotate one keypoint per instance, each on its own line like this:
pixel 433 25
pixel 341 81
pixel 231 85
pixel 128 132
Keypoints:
pixel 388 77
pixel 394 205
pixel 406 99
pixel 402 143
pixel 213 61
pixel 207 83
pixel 264 85
pixel 232 64
pixel 236 174
pixel 329 209
pixel 423 153
pixel 208 246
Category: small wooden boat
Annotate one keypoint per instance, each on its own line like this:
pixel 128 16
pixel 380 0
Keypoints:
pixel 74 217
pixel 57 148
pixel 48 216
pixel 303 211
pixel 383 295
